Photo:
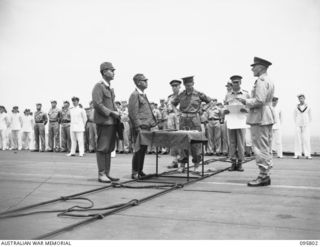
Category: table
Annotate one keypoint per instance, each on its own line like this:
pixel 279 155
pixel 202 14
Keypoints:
pixel 173 138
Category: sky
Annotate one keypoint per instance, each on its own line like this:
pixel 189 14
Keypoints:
pixel 53 49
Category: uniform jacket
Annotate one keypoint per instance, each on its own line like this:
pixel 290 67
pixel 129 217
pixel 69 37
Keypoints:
pixel 190 102
pixel 302 115
pixel 78 119
pixel 103 103
pixel 40 117
pixel 260 104
pixel 54 115
pixel 140 112
pixel 15 121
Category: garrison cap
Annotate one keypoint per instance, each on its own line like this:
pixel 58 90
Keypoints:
pixel 53 101
pixel 106 65
pixel 235 77
pixel 139 77
pixel 260 61
pixel 175 82
pixel 187 79
pixel 75 99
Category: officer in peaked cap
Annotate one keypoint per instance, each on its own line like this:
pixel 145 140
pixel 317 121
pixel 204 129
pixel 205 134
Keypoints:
pixel 107 118
pixel 261 119
pixel 190 104
pixel 175 82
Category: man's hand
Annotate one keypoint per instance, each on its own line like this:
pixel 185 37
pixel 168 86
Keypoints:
pixel 243 110
pixel 115 114
pixel 226 112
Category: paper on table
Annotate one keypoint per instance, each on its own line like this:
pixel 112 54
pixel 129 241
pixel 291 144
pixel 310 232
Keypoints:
pixel 236 119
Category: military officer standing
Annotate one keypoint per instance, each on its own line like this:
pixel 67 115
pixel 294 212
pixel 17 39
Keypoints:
pixel 141 118
pixel 91 131
pixel 106 118
pixel 173 119
pixel 214 115
pixel 40 120
pixel 236 136
pixel 54 115
pixel 261 118
pixel 190 103
pixel 65 127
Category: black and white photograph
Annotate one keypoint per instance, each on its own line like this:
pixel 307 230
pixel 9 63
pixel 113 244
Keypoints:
pixel 159 120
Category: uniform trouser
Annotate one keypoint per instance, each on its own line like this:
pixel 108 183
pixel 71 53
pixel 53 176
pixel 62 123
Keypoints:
pixel 191 123
pixel 39 136
pixel 26 138
pixel 77 136
pixel 214 135
pixel 302 141
pixel 3 139
pixel 54 136
pixel 15 139
pixel 277 142
pixel 173 124
pixel 106 141
pixel 91 135
pixel 224 138
pixel 65 138
pixel 261 143
pixel 237 142
pixel 139 154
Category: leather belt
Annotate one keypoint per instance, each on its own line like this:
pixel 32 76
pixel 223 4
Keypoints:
pixel 53 121
pixel 40 122
pixel 212 118
pixel 65 121
pixel 195 114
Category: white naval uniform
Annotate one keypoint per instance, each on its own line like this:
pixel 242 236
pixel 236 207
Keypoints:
pixel 276 132
pixel 4 123
pixel 77 128
pixel 302 119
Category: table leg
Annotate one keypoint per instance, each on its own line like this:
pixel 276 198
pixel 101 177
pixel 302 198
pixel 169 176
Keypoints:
pixel 188 166
pixel 202 159
pixel 157 161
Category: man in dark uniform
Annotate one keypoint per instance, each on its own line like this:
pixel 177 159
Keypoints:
pixel 141 118
pixel 190 103
pixel 40 120
pixel 105 117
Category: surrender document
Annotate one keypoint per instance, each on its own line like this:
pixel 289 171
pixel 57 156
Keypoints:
pixel 236 119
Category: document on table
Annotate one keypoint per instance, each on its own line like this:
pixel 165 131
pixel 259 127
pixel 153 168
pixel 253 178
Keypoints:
pixel 236 119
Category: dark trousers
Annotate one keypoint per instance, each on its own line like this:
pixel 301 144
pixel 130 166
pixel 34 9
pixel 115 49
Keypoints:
pixel 138 159
pixel 39 136
pixel 106 140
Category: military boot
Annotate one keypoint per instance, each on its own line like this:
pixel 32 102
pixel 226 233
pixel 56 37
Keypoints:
pixel 260 182
pixel 233 166
pixel 239 166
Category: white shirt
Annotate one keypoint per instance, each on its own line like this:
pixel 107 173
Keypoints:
pixel 302 115
pixel 4 121
pixel 106 83
pixel 277 118
pixel 140 92
pixel 27 123
pixel 15 121
pixel 78 119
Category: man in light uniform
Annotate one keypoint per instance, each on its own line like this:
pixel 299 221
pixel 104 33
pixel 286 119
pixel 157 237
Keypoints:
pixel 40 120
pixel 4 123
pixel 15 126
pixel 27 128
pixel 173 119
pixel 302 119
pixel 54 115
pixel 261 118
pixel 276 129
pixel 214 115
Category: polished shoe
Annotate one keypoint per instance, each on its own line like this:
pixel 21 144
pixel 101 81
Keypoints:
pixel 260 182
pixel 174 164
pixel 35 150
pixel 103 178
pixel 113 179
pixel 233 167
pixel 239 167
pixel 142 174
pixel 50 151
pixel 70 154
